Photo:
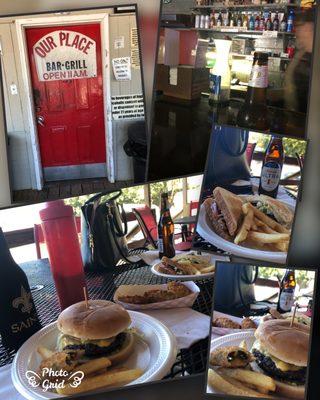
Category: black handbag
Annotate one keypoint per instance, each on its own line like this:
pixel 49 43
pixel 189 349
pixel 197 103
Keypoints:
pixel 103 233
pixel 227 161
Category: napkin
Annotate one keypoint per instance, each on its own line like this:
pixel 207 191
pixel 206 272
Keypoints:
pixel 187 325
pixel 7 390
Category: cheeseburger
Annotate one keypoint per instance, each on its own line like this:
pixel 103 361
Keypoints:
pixel 281 352
pixel 101 329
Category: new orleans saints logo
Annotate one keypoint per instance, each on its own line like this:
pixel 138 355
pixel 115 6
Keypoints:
pixel 23 302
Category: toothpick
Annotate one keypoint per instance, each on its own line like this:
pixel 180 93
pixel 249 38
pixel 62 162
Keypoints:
pixel 294 315
pixel 85 296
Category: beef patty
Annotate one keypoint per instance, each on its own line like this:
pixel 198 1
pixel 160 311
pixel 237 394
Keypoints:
pixel 92 350
pixel 269 367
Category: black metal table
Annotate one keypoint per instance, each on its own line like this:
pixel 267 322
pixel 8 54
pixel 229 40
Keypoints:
pixel 102 286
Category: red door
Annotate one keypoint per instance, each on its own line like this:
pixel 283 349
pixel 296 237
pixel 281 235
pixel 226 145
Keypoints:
pixel 66 73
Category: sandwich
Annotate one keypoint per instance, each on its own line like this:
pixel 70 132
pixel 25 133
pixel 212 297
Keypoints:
pixel 274 208
pixel 101 329
pixel 185 264
pixel 281 352
pixel 224 210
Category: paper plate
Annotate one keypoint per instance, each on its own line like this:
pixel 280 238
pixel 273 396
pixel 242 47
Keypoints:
pixel 154 352
pixel 204 230
pixel 233 339
pixel 213 259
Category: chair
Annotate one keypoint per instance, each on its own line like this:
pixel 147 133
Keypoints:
pixel 148 224
pixel 149 227
pixel 194 205
pixel 249 152
pixel 39 236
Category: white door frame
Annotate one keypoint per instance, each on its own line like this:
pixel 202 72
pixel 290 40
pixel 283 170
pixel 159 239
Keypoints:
pixel 21 24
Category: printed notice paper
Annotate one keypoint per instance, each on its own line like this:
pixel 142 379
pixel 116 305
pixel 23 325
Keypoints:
pixel 122 68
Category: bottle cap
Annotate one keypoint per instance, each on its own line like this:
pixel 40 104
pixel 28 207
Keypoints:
pixel 55 209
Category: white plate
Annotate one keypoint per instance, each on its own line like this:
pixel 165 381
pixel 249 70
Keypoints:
pixel 233 339
pixel 132 290
pixel 204 230
pixel 154 354
pixel 213 259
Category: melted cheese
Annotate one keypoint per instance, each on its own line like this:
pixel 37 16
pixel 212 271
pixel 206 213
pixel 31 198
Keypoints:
pixel 66 340
pixel 282 365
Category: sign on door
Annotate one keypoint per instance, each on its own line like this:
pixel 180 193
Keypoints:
pixel 64 55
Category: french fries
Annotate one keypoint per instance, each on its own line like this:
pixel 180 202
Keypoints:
pixel 243 345
pixel 94 365
pixel 250 377
pixel 225 385
pixel 265 238
pixel 108 378
pixel 246 225
pixel 44 352
pixel 206 270
pixel 267 220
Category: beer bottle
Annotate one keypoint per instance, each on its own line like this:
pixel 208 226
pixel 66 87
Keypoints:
pixel 19 319
pixel 254 112
pixel 272 167
pixel 286 294
pixel 165 230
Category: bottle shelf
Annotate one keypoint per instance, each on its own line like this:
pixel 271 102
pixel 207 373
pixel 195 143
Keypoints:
pixel 220 6
pixel 237 31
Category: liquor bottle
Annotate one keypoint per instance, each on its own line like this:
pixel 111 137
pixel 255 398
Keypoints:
pixel 272 167
pixel 276 22
pixel 254 112
pixel 19 319
pixel 245 21
pixel 283 25
pixel 262 23
pixel 207 22
pixel 239 21
pixel 251 22
pixel 290 27
pixel 165 230
pixel 219 19
pixel 202 21
pixel 286 294
pixel 197 21
pixel 234 19
pixel 257 22
pixel 269 22
pixel 212 20
pixel 231 23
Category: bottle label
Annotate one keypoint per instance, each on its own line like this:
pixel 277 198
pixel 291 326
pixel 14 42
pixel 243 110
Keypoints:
pixel 259 76
pixel 160 245
pixel 215 86
pixel 270 176
pixel 286 299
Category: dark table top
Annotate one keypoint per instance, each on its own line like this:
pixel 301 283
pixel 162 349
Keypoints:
pixel 102 285
pixel 181 133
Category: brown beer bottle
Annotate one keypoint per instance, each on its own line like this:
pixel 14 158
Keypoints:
pixel 286 295
pixel 254 112
pixel 165 230
pixel 272 167
pixel 19 319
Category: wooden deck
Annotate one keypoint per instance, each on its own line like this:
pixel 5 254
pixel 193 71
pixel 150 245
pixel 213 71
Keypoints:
pixel 64 189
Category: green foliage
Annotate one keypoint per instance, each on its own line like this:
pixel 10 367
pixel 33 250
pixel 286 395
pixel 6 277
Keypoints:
pixel 291 146
pixel 302 277
pixel 132 195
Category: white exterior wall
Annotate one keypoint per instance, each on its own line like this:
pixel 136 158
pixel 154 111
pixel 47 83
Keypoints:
pixel 20 148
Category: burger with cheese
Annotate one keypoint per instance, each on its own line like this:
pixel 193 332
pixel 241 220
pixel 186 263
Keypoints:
pixel 281 352
pixel 101 329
